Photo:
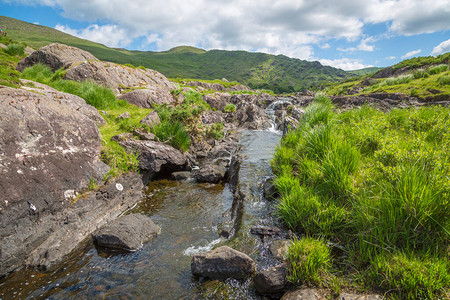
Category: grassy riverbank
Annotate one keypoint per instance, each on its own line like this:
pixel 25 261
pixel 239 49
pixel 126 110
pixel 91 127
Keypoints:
pixel 375 188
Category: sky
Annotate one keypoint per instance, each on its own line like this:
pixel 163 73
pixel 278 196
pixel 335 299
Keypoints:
pixel 347 34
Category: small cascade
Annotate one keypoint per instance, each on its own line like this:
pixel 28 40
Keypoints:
pixel 282 103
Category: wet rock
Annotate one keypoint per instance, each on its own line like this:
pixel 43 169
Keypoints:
pixel 265 230
pixel 269 190
pixel 211 173
pixel 279 248
pixel 304 294
pixel 128 232
pixel 156 158
pixel 122 137
pixel 55 56
pixel 222 263
pixel 345 296
pixel 49 153
pixel 183 175
pixel 151 119
pixel 272 281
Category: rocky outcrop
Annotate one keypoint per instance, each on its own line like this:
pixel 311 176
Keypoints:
pixel 149 96
pixel 250 116
pixel 75 102
pixel 156 158
pixel 118 77
pixel 222 263
pixel 56 56
pixel 49 153
pixel 212 117
pixel 346 296
pixel 127 232
pixel 271 281
pixel 217 101
pixel 304 294
pixel 151 120
pixel 217 86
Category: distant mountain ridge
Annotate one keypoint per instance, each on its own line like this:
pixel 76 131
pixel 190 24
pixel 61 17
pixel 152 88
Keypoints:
pixel 257 70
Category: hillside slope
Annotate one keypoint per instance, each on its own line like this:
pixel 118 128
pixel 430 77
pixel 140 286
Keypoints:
pixel 258 70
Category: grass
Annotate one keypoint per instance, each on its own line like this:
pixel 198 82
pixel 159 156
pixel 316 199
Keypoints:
pixel 229 108
pixel 378 185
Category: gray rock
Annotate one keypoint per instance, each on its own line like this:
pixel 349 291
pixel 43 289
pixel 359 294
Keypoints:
pixel 156 158
pixel 272 281
pixel 125 115
pixel 222 263
pixel 183 175
pixel 151 119
pixel 127 232
pixel 279 248
pixel 144 135
pixel 122 137
pixel 211 117
pixel 265 230
pixel 345 296
pixel 149 96
pixel 49 153
pixel 304 294
pixel 211 173
pixel 55 56
pixel 217 100
pixel 250 116
pixel 269 190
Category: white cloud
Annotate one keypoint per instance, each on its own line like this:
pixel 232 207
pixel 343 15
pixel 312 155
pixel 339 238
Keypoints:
pixel 363 46
pixel 109 35
pixel 411 53
pixel 391 57
pixel 443 47
pixel 325 46
pixel 344 63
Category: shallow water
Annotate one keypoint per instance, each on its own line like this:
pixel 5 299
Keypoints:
pixel 191 216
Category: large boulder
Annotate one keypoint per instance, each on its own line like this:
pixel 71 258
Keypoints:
pixel 49 152
pixel 156 158
pixel 55 56
pixel 118 77
pixel 222 263
pixel 127 232
pixel 211 173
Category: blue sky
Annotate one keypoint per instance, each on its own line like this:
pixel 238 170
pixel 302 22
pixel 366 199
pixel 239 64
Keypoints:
pixel 347 34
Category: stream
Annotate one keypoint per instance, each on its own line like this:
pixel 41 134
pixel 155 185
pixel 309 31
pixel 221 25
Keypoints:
pixel 191 217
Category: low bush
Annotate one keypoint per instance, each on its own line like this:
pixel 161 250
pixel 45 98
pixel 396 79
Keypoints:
pixel 308 261
pixel 438 69
pixel 229 108
pixel 15 49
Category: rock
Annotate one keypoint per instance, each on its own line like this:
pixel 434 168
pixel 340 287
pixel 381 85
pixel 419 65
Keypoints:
pixel 156 158
pixel 222 263
pixel 119 77
pixel 149 96
pixel 250 116
pixel 56 56
pixel 49 153
pixel 269 190
pixel 211 174
pixel 345 296
pixel 212 117
pixel 125 115
pixel 62 232
pixel 183 175
pixel 304 294
pixel 127 232
pixel 272 281
pixel 279 248
pixel 122 137
pixel 144 135
pixel 28 50
pixel 265 230
pixel 75 102
pixel 217 101
pixel 151 119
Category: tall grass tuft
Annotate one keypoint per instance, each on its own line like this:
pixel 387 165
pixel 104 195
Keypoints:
pixel 173 134
pixel 15 49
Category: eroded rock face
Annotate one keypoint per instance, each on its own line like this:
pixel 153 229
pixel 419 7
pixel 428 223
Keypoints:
pixel 55 56
pixel 222 263
pixel 156 158
pixel 127 232
pixel 49 152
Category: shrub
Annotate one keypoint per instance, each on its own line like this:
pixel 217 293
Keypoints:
pixel 402 79
pixel 173 134
pixel 420 73
pixel 215 131
pixel 438 69
pixel 229 108
pixel 444 80
pixel 15 49
pixel 308 261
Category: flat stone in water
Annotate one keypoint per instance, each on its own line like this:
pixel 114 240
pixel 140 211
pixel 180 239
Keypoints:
pixel 126 233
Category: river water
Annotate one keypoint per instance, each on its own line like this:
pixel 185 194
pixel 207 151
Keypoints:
pixel 191 216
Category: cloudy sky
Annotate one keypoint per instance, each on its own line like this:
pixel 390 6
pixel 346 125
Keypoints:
pixel 348 34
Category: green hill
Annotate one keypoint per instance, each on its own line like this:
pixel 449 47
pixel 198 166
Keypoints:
pixel 258 70
pixel 365 71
